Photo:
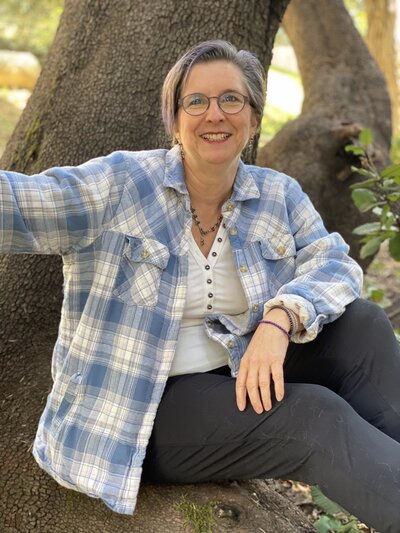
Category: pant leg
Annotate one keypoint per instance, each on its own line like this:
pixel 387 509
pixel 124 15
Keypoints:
pixel 313 435
pixel 358 357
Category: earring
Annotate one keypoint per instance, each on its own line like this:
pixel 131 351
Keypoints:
pixel 181 149
pixel 251 142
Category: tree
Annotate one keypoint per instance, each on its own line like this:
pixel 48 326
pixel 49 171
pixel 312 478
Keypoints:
pixel 99 91
pixel 344 92
pixel 383 39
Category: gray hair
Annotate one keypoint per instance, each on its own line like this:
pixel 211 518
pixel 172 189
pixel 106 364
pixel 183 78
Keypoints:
pixel 253 77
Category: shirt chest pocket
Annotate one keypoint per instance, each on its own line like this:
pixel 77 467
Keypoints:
pixel 279 256
pixel 139 276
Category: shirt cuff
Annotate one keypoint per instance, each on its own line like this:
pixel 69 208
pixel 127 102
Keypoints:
pixel 306 313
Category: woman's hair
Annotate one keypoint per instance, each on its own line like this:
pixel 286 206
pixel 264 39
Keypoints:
pixel 253 76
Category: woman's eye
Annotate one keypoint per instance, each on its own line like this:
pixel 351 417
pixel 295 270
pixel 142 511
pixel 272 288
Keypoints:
pixel 195 100
pixel 230 97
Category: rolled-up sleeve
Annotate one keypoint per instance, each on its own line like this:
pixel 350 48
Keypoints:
pixel 326 279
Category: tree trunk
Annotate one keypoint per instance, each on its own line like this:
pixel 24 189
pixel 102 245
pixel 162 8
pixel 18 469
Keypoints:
pixel 98 92
pixel 344 92
pixel 382 39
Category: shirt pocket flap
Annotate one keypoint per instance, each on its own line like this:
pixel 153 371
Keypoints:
pixel 146 251
pixel 278 247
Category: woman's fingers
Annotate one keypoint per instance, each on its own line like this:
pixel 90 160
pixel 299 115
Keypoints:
pixel 264 379
pixel 277 377
pixel 241 391
pixel 254 381
pixel 253 389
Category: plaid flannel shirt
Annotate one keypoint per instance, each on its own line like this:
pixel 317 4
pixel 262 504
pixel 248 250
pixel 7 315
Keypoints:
pixel 122 224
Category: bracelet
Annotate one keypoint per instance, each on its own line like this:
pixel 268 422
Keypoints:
pixel 294 323
pixel 276 325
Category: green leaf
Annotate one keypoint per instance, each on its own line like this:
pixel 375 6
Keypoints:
pixel 394 197
pixel 394 247
pixel 364 184
pixel 364 199
pixel 356 150
pixel 391 171
pixel 326 524
pixel 375 295
pixel 379 297
pixel 370 247
pixel 366 136
pixel 350 527
pixel 387 183
pixel 367 229
pixel 384 214
pixel 390 220
pixel 327 505
pixel 365 172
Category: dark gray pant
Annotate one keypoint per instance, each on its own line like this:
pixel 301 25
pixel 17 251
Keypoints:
pixel 338 425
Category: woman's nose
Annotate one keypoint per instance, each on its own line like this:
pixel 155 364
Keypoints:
pixel 214 112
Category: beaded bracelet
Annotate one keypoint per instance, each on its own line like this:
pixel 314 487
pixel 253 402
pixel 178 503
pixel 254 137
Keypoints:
pixel 276 325
pixel 294 323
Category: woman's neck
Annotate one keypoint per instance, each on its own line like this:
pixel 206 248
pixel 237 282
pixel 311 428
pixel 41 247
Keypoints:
pixel 209 185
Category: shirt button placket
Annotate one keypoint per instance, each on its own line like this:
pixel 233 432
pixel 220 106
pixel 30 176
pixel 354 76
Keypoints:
pixel 209 282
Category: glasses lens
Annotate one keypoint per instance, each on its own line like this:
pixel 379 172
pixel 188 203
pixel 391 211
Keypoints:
pixel 195 104
pixel 231 102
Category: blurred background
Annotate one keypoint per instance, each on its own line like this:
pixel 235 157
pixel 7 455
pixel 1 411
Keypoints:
pixel 27 28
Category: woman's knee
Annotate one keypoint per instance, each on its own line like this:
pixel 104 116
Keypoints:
pixel 364 313
pixel 363 324
pixel 316 413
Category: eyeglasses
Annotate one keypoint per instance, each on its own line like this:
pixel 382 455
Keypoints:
pixel 197 104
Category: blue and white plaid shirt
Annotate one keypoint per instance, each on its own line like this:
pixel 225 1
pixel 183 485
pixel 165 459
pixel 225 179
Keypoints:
pixel 122 224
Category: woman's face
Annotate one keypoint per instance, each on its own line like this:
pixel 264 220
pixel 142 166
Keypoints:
pixel 214 137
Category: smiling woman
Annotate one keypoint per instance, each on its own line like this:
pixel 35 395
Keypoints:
pixel 211 326
pixel 213 139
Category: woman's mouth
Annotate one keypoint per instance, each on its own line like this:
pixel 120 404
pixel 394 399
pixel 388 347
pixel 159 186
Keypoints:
pixel 215 137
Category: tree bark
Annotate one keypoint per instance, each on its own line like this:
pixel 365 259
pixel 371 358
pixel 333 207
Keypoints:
pixel 344 92
pixel 98 92
pixel 382 40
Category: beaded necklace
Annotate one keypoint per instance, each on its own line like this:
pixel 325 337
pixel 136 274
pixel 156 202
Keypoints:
pixel 204 232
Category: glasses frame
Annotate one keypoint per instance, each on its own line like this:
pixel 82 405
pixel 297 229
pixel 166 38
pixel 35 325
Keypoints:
pixel 209 98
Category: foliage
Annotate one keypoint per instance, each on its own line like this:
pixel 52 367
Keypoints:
pixel 273 120
pixel 379 192
pixel 358 14
pixel 199 517
pixel 29 24
pixel 334 518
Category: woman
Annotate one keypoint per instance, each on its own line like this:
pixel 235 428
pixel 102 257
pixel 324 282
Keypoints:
pixel 187 273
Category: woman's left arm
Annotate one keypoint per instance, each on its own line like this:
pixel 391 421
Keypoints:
pixel 326 279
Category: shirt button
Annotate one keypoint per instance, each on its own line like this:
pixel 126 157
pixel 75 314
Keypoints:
pixel 209 306
pixel 145 254
pixel 229 207
pixel 219 239
pixel 233 231
pixel 209 281
pixel 210 295
pixel 281 249
pixel 255 308
pixel 214 254
pixel 230 344
pixel 243 268
pixel 207 267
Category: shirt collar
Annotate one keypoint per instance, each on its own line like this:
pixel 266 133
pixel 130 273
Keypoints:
pixel 244 187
